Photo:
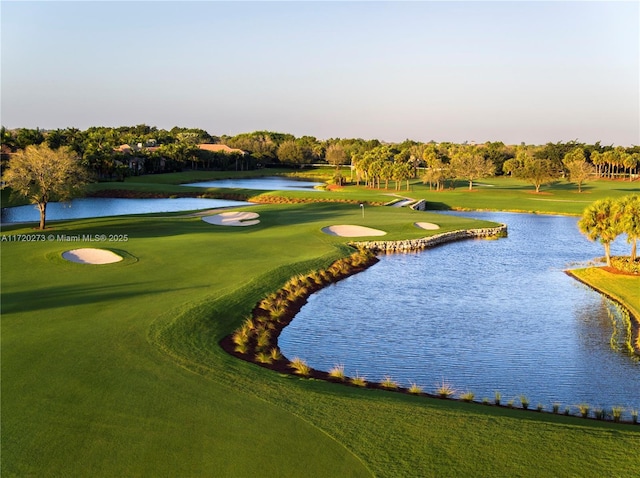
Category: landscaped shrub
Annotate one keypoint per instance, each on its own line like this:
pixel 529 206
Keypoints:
pixel 445 390
pixel 497 397
pixel 300 367
pixel 264 357
pixel 524 401
pixel 241 348
pixel 624 263
pixel 584 410
pixel 634 416
pixel 415 389
pixel 616 412
pixel 337 372
pixel 388 383
pixel 263 339
pixel 467 397
pixel 358 381
pixel 556 407
pixel 540 407
pixel 275 354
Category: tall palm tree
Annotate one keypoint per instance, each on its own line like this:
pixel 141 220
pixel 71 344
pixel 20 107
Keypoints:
pixel 630 220
pixel 600 222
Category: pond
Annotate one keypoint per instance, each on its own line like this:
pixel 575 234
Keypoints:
pixel 270 183
pixel 101 207
pixel 482 316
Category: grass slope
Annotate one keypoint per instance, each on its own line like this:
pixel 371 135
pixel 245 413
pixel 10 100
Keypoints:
pixel 115 370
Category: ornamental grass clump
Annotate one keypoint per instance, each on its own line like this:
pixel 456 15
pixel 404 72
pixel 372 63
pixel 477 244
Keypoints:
pixel 337 372
pixel 555 407
pixel 388 383
pixel 415 389
pixel 300 367
pixel 445 390
pixel 358 381
pixel 467 397
pixel 634 416
pixel 583 408
pixel 616 412
pixel 540 407
pixel 524 401
pixel 275 354
pixel 599 413
pixel 264 357
pixel 497 397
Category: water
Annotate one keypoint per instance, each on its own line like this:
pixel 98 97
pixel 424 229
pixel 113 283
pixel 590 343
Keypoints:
pixel 101 207
pixel 274 183
pixel 483 316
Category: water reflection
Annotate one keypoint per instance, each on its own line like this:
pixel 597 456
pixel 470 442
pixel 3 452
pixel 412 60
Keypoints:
pixel 273 183
pixel 482 315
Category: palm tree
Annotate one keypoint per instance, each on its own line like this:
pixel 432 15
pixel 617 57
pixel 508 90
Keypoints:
pixel 630 220
pixel 600 221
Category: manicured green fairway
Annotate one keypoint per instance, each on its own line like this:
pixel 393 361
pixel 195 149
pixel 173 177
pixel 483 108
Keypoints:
pixel 115 370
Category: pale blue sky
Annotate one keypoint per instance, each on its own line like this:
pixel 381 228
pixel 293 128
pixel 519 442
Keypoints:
pixel 448 71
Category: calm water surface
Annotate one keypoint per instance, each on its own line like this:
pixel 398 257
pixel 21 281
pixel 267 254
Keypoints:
pixel 483 316
pixel 274 183
pixel 101 207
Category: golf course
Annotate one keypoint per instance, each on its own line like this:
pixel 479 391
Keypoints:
pixel 115 369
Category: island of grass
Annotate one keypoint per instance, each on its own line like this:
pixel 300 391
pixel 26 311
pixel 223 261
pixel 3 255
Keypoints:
pixel 117 371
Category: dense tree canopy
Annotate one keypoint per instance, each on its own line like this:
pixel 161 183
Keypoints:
pixel 112 153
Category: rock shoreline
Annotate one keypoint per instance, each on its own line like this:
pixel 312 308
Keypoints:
pixel 410 245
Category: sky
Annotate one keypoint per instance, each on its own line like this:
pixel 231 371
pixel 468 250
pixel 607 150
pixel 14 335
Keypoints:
pixel 532 72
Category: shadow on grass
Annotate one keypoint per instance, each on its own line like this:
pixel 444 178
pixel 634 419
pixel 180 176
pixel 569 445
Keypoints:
pixel 64 296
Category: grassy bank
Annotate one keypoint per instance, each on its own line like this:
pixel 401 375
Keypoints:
pixel 624 289
pixel 115 370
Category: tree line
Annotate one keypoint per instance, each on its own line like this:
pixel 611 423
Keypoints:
pixel 374 163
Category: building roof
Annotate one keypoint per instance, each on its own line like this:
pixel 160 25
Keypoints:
pixel 219 148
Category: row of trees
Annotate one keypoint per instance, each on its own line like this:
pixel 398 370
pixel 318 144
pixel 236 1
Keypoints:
pixel 151 150
pixel 606 219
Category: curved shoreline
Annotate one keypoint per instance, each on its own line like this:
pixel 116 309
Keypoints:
pixel 635 321
pixel 283 365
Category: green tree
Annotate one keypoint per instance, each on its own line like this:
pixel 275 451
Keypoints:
pixel 530 168
pixel 630 220
pixel 467 162
pixel 577 167
pixel 291 152
pixel 42 174
pixel 599 221
pixel 336 155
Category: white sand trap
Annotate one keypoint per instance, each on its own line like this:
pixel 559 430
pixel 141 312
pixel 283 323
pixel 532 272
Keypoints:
pixel 233 218
pixel 429 226
pixel 352 231
pixel 91 256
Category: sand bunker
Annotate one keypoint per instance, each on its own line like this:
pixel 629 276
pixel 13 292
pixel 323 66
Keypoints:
pixel 352 231
pixel 91 256
pixel 233 218
pixel 427 225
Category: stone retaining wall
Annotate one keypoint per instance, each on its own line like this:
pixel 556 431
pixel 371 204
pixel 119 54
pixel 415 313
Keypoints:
pixel 426 242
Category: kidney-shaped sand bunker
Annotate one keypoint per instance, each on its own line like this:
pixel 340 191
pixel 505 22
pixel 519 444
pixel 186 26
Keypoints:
pixel 91 256
pixel 348 230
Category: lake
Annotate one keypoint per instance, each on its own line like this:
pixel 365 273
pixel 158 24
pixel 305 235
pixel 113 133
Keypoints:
pixel 480 315
pixel 101 207
pixel 270 183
